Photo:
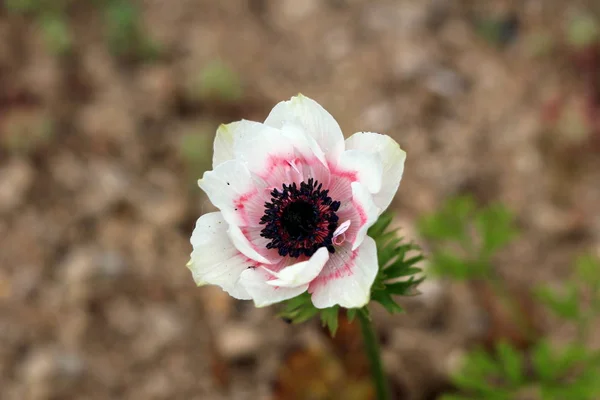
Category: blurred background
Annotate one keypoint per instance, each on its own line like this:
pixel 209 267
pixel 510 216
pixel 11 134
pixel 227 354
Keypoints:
pixel 108 109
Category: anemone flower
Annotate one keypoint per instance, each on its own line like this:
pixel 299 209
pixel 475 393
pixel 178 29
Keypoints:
pixel 295 202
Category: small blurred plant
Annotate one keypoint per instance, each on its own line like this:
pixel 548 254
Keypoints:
pixel 464 239
pixel 216 81
pixel 394 264
pixel 499 31
pixel 52 20
pixel 125 34
pixel 572 372
pixel 56 32
pixel 582 31
pixel 195 149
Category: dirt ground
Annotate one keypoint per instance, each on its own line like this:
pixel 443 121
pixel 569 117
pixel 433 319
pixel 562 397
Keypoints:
pixel 99 153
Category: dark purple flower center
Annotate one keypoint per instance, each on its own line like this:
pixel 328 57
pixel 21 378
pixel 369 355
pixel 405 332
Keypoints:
pixel 300 220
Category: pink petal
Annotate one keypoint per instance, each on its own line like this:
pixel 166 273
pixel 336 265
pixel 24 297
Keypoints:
pixel 361 212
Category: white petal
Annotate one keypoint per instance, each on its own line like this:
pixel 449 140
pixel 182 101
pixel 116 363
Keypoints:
pixel 304 144
pixel 315 120
pixel 392 158
pixel 223 146
pixel 225 184
pixel 215 260
pixel 255 280
pixel 347 277
pixel 368 167
pixel 302 272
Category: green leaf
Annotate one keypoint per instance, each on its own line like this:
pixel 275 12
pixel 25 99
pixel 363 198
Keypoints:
pixel 403 288
pixel 401 267
pixel 570 357
pixel 543 361
pixel 402 271
pixel 565 306
pixel 299 309
pixel 446 264
pixel 380 225
pixel 329 318
pixel 496 227
pixel 450 221
pixel 588 270
pixel 56 33
pixel 386 300
pixel 303 314
pixel 351 314
pixel 512 363
pixel 480 363
pixel 583 31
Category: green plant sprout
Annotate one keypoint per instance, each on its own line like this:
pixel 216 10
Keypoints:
pixel 582 30
pixel 195 150
pixel 572 372
pixel 56 32
pixel 124 31
pixel 464 239
pixel 125 34
pixel 216 81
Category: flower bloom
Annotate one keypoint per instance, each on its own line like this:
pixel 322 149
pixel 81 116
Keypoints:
pixel 295 202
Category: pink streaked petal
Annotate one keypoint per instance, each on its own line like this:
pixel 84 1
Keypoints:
pixel 314 119
pixel 367 210
pixel 347 277
pixel 250 206
pixel 280 170
pixel 259 145
pixel 340 188
pixel 295 170
pixel 254 281
pixel 392 158
pixel 214 259
pixel 300 273
pixel 362 213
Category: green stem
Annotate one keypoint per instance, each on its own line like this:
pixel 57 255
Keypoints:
pixel 374 355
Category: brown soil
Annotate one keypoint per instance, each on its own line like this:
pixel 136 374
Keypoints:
pixel 97 197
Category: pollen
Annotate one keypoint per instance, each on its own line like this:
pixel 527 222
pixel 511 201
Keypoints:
pixel 300 220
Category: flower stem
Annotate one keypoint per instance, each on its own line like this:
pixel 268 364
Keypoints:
pixel 374 355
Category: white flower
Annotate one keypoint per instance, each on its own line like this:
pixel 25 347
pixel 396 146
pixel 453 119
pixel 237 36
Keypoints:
pixel 295 204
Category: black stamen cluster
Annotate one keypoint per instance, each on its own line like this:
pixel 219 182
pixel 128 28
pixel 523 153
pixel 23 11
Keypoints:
pixel 300 220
